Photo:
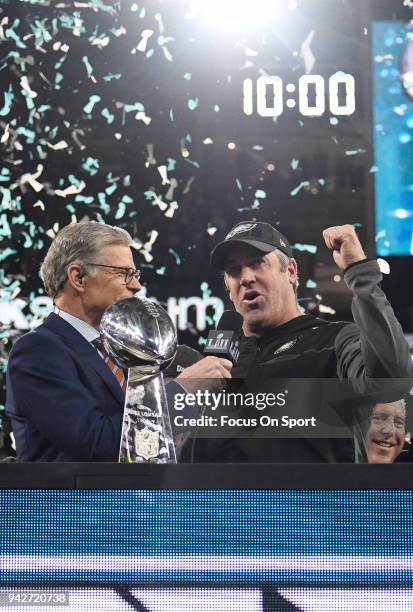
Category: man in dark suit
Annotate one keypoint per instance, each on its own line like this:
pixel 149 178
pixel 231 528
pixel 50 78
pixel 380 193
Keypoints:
pixel 65 401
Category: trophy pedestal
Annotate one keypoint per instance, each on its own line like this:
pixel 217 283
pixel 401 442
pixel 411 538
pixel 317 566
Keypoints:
pixel 146 430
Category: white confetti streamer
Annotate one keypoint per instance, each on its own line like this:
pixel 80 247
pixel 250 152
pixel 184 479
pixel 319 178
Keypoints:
pixel 141 46
pixel 62 144
pixel 173 207
pixel 71 190
pixel 32 179
pixel 142 116
pixel 307 54
pixel 25 85
pixel 170 193
pixel 164 175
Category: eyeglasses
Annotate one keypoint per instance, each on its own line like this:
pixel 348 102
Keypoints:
pixel 129 273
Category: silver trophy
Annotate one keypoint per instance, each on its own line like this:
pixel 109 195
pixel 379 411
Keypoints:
pixel 140 336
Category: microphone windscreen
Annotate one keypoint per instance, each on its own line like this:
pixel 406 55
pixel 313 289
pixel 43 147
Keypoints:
pixel 230 321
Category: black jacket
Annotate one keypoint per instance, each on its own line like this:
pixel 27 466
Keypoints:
pixel 333 370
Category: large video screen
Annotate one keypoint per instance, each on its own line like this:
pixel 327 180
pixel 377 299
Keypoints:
pixel 392 54
pixel 198 550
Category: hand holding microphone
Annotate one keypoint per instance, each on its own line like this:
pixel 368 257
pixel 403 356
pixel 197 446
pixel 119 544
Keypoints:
pixel 221 352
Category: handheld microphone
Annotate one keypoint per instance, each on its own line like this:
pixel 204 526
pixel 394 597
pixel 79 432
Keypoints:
pixel 224 340
pixel 185 357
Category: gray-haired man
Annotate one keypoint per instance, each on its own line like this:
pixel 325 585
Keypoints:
pixel 64 402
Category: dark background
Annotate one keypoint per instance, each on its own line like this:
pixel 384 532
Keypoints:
pixel 315 171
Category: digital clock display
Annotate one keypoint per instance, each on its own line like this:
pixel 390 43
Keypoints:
pixel 312 91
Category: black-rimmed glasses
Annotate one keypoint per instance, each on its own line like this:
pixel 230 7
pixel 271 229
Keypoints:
pixel 130 274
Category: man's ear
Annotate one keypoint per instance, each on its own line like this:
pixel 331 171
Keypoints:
pixel 292 271
pixel 75 277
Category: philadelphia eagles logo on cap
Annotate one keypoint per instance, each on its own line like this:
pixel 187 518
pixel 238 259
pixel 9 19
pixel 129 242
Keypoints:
pixel 238 229
pixel 258 235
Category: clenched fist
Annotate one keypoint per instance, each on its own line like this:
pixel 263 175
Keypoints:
pixel 345 245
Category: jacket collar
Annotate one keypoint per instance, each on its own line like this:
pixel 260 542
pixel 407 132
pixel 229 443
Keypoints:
pixel 82 347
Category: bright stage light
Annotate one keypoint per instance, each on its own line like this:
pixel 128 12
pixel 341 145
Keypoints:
pixel 234 14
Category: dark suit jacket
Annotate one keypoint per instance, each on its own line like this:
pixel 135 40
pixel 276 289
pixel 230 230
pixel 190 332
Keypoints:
pixel 63 400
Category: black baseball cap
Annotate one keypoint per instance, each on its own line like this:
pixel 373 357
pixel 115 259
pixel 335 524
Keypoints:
pixel 262 236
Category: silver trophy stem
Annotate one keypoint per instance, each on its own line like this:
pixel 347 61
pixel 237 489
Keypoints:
pixel 146 429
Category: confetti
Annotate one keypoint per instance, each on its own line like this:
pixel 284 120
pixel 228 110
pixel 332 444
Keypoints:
pixel 302 185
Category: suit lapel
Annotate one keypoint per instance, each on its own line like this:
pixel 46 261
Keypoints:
pixel 89 354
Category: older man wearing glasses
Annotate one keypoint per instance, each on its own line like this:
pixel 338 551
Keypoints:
pixel 64 396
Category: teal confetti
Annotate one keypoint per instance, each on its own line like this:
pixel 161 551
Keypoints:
pixel 110 77
pixel 5 229
pixel 74 180
pixel 175 254
pixel 103 204
pixel 294 164
pixel 8 99
pixel 29 134
pixel 260 193
pixel 5 175
pixel 171 114
pixel 129 108
pixel 120 211
pixel 187 76
pixel 216 108
pixel 109 190
pixel 171 164
pixel 310 284
pixel 206 291
pixel 82 198
pixel 161 271
pixel 258 148
pixel 238 184
pixel 91 165
pixel 321 181
pixel 193 103
pixel 6 253
pixel 311 248
pixel 20 219
pixel 28 242
pixel 333 121
pixel 108 115
pixel 88 65
pixel 92 101
pixel 255 205
pixel 10 33
pixel 300 186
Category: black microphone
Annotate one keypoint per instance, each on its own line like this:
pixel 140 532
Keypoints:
pixel 224 340
pixel 184 357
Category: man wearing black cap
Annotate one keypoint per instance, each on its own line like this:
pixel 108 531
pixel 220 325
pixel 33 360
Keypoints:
pixel 280 343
